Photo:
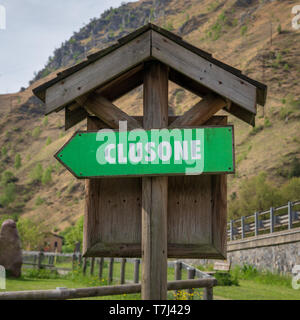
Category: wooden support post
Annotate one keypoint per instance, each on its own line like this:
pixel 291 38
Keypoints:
pixel 178 274
pixel 243 227
pixel 136 270
pixel 92 266
pixel 79 259
pixel 231 230
pixel 101 263
pixel 123 268
pixel 40 260
pixel 191 275
pixel 111 270
pixel 84 266
pixel 256 223
pixel 155 190
pixel 178 270
pixel 290 214
pixel 208 293
pixel 272 220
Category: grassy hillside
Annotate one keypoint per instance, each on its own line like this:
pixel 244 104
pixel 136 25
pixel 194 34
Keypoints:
pixel 237 32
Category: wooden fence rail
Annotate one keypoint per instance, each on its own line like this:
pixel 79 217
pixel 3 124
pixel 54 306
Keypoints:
pixel 91 263
pixel 280 217
pixel 65 294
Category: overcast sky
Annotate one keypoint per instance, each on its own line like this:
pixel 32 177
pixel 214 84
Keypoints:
pixel 34 28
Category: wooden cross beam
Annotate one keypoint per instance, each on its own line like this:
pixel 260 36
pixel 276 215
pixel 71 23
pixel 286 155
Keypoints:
pixel 108 112
pixel 111 91
pixel 201 112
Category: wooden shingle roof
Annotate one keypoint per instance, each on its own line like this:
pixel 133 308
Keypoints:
pixel 190 67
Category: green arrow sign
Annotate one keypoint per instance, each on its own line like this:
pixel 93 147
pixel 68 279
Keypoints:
pixel 153 152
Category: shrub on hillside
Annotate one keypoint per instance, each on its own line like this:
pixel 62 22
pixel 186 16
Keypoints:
pixel 36 132
pixel 3 151
pixel 72 235
pixel 8 194
pixel 47 176
pixel 36 173
pixel 18 161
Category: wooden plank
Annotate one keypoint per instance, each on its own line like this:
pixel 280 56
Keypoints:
pixel 98 73
pixel 214 120
pixel 201 112
pixel 111 270
pixel 74 117
pixel 241 113
pixel 204 72
pixel 136 271
pixel 198 89
pixel 122 275
pixel 222 266
pixel 155 191
pixel 111 91
pixel 65 294
pixel 108 112
pixel 108 201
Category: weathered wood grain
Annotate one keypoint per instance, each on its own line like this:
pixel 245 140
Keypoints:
pixel 155 190
pixel 204 72
pixel 98 73
pixel 108 112
pixel 198 89
pixel 111 91
pixel 201 112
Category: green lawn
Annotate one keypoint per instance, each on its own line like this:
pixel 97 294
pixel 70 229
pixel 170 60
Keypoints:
pixel 249 289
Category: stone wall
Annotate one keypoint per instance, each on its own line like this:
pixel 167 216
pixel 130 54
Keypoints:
pixel 276 252
pixel 278 258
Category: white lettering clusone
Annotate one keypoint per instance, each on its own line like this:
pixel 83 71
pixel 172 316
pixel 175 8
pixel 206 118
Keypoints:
pixel 149 153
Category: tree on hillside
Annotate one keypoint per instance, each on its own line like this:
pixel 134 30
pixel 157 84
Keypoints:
pixel 255 194
pixel 72 235
pixel 31 234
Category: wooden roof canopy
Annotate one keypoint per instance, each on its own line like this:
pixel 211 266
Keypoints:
pixel 110 73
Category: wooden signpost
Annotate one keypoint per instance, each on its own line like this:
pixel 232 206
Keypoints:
pixel 152 193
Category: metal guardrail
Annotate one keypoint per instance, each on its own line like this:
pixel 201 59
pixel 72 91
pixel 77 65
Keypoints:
pixel 251 225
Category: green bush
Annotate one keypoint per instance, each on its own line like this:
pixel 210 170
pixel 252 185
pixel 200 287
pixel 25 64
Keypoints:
pixel 244 30
pixel 4 151
pixel 36 173
pixel 255 194
pixel 39 201
pixel 72 235
pixel 267 123
pixel 295 169
pixel 284 112
pixel 48 141
pixel 7 177
pixel 226 279
pixel 18 161
pixel 279 29
pixel 45 121
pixel 42 274
pixel 47 176
pixel 31 234
pixel 8 195
pixel 36 132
